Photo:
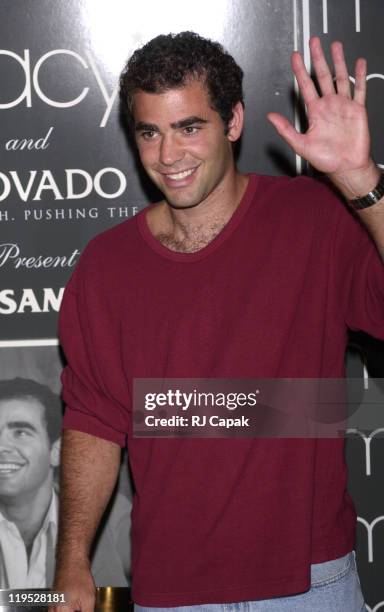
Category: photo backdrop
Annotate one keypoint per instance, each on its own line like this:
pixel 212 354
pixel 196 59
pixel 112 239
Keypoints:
pixel 68 171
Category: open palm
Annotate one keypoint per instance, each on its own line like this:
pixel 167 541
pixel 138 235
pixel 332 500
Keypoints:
pixel 337 140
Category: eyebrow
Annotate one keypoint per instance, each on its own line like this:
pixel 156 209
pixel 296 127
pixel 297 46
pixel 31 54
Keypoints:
pixel 151 127
pixel 187 122
pixel 21 425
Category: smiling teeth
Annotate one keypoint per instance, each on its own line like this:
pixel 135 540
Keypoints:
pixel 5 467
pixel 180 175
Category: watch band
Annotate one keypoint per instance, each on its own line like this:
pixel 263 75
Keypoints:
pixel 371 198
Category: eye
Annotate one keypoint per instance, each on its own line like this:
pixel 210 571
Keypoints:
pixel 22 433
pixel 148 135
pixel 190 130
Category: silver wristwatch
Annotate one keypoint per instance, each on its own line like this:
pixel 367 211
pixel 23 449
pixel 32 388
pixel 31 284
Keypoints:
pixel 371 198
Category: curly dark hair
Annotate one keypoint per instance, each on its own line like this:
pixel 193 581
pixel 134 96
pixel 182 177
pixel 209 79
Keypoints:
pixel 169 61
pixel 24 388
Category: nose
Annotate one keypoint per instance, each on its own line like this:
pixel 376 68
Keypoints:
pixel 5 447
pixel 171 151
pixel 5 442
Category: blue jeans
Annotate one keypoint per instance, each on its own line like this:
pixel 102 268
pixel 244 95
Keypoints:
pixel 335 587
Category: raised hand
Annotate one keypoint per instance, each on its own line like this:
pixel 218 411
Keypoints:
pixel 337 141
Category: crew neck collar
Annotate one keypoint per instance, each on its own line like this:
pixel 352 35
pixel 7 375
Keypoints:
pixel 223 235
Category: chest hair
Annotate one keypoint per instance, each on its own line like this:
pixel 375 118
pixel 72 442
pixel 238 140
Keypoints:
pixel 194 241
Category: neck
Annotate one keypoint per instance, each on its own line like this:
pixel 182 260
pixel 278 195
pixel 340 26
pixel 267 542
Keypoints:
pixel 190 229
pixel 28 512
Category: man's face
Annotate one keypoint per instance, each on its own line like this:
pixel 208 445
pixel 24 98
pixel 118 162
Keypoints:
pixel 25 450
pixel 182 144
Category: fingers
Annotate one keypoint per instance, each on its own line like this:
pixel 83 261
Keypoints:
pixel 360 81
pixel 67 608
pixel 288 132
pixel 85 605
pixel 306 85
pixel 322 71
pixel 324 75
pixel 343 83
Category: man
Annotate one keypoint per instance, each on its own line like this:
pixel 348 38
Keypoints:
pixel 29 454
pixel 30 427
pixel 230 276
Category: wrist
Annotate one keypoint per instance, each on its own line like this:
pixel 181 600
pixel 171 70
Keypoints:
pixel 70 559
pixel 357 183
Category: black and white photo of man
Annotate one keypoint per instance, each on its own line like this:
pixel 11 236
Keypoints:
pixel 29 454
pixel 30 428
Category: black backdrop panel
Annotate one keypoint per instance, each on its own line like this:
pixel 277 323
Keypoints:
pixel 68 171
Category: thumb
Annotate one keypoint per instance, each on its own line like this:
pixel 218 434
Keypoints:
pixel 286 130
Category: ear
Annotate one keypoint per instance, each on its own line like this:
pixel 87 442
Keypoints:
pixel 235 126
pixel 55 453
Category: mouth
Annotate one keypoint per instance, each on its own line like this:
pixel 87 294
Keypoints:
pixel 180 179
pixel 10 468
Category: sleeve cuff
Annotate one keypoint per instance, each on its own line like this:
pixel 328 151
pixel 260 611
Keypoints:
pixel 73 419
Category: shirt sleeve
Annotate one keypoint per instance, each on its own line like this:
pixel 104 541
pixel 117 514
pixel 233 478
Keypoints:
pixel 91 407
pixel 361 277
